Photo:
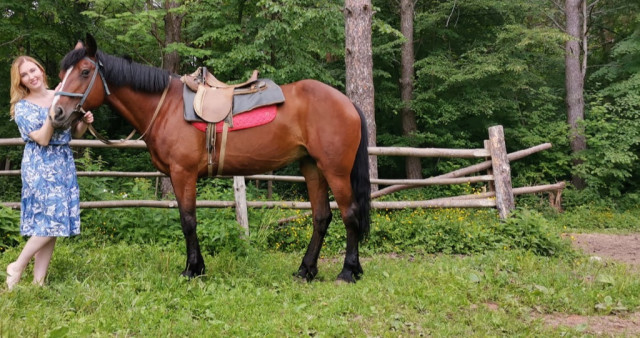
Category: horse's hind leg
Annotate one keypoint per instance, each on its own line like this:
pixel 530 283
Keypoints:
pixel 351 269
pixel 321 213
pixel 341 188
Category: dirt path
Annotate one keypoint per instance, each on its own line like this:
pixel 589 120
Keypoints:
pixel 622 248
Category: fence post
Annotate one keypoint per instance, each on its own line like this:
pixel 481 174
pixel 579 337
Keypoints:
pixel 491 184
pixel 501 171
pixel 240 193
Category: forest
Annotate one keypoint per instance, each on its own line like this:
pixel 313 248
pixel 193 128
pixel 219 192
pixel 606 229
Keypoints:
pixel 566 72
pixel 477 63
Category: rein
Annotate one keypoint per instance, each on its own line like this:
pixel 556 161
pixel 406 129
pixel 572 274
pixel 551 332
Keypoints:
pixel 105 140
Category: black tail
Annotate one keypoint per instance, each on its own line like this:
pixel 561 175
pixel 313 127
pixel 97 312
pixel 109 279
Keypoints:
pixel 360 181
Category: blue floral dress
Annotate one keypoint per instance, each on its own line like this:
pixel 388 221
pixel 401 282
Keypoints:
pixel 50 204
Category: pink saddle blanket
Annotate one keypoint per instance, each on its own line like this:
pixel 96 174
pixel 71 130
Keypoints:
pixel 252 118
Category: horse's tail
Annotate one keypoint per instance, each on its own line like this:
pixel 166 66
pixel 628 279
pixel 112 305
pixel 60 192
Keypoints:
pixel 360 180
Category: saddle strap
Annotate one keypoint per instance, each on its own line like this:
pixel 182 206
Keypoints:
pixel 223 147
pixel 211 147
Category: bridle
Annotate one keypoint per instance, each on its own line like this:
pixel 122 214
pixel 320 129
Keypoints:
pixel 98 65
pixel 99 69
pixel 83 97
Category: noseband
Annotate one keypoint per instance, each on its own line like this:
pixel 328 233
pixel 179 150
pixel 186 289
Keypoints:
pixel 99 67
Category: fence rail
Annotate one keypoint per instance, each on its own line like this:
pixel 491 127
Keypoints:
pixel 500 195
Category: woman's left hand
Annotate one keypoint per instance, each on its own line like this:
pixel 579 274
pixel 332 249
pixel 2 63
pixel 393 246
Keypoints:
pixel 88 117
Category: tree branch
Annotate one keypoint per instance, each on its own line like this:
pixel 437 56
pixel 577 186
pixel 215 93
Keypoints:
pixel 12 41
pixel 451 14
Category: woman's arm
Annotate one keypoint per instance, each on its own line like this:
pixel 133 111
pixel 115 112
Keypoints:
pixel 43 135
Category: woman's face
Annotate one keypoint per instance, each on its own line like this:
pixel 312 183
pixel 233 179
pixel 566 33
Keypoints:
pixel 31 76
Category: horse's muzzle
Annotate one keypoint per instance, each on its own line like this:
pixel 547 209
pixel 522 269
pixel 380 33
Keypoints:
pixel 60 119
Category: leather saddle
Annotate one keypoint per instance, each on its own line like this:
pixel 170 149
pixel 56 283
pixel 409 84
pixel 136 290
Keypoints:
pixel 213 101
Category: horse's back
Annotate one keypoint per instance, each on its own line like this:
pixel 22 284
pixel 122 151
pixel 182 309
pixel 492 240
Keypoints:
pixel 330 121
pixel 318 95
pixel 314 120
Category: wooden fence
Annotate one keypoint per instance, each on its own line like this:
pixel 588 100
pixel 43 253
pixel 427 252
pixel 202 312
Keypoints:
pixel 500 192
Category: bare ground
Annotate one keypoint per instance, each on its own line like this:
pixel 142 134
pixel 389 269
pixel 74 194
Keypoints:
pixel 621 248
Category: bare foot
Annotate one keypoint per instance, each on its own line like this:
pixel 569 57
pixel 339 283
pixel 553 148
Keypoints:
pixel 13 276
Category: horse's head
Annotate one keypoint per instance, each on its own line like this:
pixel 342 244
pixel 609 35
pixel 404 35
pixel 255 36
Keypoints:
pixel 83 86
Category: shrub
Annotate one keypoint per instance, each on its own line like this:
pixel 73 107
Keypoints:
pixel 450 231
pixel 9 228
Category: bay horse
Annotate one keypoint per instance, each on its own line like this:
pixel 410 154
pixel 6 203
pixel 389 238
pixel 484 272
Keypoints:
pixel 317 126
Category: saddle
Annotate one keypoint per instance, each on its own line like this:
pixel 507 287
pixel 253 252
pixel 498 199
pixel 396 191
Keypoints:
pixel 213 101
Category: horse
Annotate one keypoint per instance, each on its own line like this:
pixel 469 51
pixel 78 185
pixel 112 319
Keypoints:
pixel 316 125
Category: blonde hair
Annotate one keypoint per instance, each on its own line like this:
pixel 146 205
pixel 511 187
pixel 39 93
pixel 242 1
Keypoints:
pixel 18 91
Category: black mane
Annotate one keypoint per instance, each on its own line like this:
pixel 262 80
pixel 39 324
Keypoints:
pixel 122 72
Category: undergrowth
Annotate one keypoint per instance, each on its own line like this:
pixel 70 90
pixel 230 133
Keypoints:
pixel 452 272
pixel 421 231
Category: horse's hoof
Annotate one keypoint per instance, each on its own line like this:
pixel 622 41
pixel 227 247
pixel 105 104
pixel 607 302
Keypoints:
pixel 192 274
pixel 307 277
pixel 348 277
pixel 305 274
pixel 299 279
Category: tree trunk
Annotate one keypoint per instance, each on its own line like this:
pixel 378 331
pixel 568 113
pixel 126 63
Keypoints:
pixel 574 81
pixel 413 166
pixel 171 62
pixel 359 67
pixel 172 33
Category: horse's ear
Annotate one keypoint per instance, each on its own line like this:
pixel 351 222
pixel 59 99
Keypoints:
pixel 92 46
pixel 79 45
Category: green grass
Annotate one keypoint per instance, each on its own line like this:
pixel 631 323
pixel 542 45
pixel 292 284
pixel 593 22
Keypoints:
pixel 135 290
pixel 591 218
pixel 444 272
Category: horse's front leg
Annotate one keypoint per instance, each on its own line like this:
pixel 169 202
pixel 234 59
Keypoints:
pixel 184 186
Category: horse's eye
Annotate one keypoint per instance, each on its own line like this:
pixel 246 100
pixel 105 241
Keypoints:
pixel 85 72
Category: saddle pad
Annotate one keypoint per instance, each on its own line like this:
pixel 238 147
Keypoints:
pixel 253 118
pixel 246 102
pixel 241 103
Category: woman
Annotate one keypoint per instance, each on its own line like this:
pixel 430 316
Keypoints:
pixel 50 195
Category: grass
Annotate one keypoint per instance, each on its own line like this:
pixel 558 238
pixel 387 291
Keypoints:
pixel 136 290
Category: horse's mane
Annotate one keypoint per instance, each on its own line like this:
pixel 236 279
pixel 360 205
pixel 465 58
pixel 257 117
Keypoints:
pixel 123 72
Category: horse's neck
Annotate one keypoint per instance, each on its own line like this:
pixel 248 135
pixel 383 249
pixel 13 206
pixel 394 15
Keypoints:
pixel 136 107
